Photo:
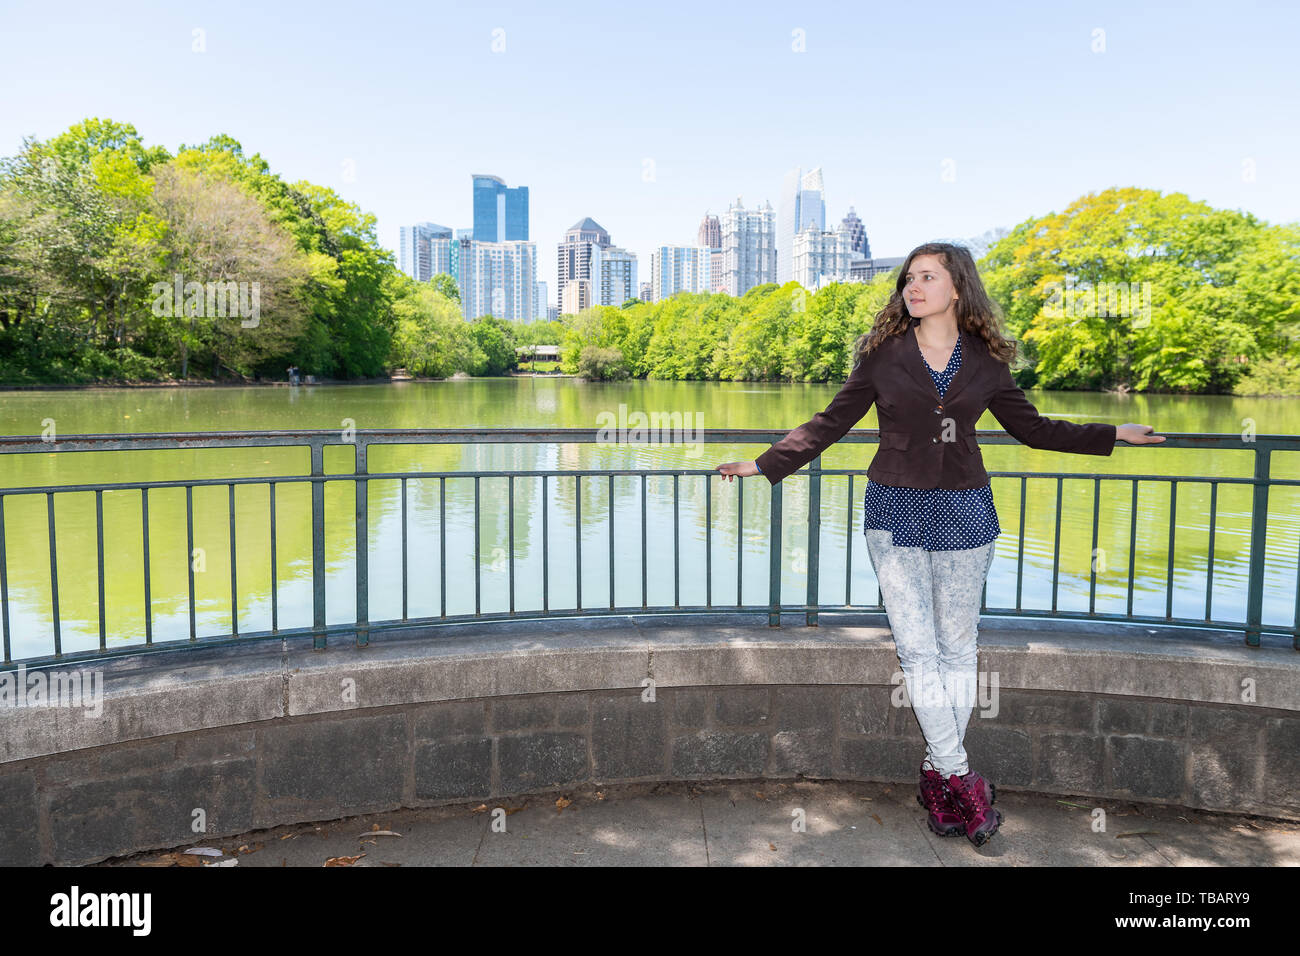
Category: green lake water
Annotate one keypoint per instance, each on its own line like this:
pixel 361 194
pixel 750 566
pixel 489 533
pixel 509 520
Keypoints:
pixel 563 402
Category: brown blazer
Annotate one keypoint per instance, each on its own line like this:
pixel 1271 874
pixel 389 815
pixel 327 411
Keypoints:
pixel 925 441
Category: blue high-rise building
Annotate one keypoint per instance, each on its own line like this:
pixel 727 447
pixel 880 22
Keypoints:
pixel 803 204
pixel 500 214
pixel 422 256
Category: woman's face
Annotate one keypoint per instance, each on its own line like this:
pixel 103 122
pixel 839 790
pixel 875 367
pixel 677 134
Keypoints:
pixel 927 288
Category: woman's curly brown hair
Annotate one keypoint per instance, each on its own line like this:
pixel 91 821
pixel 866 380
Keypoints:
pixel 976 312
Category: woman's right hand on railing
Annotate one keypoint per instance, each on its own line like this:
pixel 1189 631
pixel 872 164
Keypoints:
pixel 742 468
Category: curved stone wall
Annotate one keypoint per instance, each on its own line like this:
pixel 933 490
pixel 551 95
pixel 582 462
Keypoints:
pixel 249 737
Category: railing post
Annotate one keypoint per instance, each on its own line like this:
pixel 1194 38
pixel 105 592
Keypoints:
pixel 363 545
pixel 774 559
pixel 1258 542
pixel 318 547
pixel 814 536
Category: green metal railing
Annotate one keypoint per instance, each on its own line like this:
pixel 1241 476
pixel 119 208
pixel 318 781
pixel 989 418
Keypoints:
pixel 362 627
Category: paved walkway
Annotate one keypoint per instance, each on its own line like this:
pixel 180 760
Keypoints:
pixel 749 823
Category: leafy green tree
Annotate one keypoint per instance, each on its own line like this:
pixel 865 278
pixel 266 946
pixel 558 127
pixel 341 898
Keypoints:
pixel 496 342
pixel 1195 322
pixel 602 364
pixel 218 234
pixel 446 285
pixel 430 336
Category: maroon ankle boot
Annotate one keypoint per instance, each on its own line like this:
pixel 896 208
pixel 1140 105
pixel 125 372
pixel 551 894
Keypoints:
pixel 974 798
pixel 945 817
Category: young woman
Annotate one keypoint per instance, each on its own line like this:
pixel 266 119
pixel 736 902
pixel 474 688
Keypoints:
pixel 933 361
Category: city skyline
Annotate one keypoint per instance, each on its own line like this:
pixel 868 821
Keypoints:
pixel 1022 110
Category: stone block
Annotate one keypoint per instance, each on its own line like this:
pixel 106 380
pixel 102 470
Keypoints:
pixel 541 760
pixel 337 764
pixel 865 710
pixel 741 706
pixel 446 770
pixel 804 752
pixel 443 720
pixel 1121 715
pixel 719 753
pixel 534 712
pixel 1071 762
pixel 805 708
pixel 628 736
pixel 20 821
pixel 1146 767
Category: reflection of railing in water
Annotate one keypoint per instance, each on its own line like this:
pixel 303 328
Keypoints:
pixel 362 626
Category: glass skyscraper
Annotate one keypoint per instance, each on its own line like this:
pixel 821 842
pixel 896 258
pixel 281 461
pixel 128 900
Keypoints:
pixel 803 203
pixel 422 256
pixel 500 214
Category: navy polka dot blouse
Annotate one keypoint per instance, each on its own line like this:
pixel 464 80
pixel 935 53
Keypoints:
pixel 935 519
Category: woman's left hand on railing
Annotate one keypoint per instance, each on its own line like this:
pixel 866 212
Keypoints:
pixel 1138 434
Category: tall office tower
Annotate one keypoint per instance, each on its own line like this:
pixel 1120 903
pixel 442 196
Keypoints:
pixel 578 257
pixel 821 257
pixel 676 269
pixel 500 214
pixel 857 234
pixel 748 247
pixel 539 300
pixel 588 230
pixel 617 276
pixel 645 292
pixel 803 202
pixel 710 233
pixel 495 278
pixel 416 257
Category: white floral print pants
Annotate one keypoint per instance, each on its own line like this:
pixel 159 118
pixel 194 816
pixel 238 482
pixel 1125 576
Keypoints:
pixel 932 600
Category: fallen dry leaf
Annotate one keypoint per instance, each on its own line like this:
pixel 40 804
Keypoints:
pixel 759 794
pixel 877 819
pixel 375 833
pixel 343 860
pixel 561 803
pixel 600 795
pixel 771 846
pixel 481 808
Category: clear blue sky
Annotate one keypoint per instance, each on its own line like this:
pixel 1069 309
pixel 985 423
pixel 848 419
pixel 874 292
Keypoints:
pixel 412 94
